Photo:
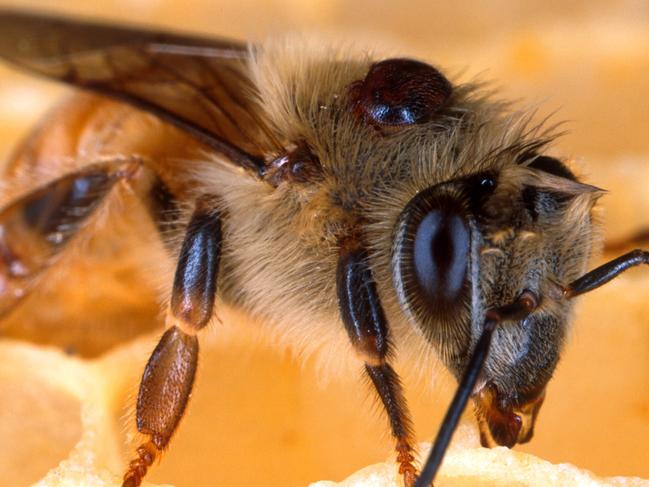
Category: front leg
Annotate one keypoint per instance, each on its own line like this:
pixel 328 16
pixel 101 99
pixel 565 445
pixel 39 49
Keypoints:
pixel 367 327
pixel 169 375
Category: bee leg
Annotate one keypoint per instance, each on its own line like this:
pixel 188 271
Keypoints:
pixel 386 381
pixel 35 228
pixel 169 374
pixel 367 327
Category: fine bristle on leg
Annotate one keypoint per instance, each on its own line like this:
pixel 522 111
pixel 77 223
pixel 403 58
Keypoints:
pixel 388 386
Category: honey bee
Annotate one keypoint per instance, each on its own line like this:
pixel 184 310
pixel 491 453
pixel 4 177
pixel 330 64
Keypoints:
pixel 317 191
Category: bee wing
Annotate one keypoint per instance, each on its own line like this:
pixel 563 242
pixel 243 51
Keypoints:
pixel 199 84
pixel 35 228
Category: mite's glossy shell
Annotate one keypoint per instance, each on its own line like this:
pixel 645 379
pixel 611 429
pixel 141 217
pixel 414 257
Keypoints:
pixel 400 92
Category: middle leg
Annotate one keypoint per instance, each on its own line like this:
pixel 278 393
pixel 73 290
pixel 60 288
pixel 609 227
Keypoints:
pixel 367 327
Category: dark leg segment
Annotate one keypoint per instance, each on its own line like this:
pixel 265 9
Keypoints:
pixel 366 325
pixel 169 375
pixel 515 311
pixel 194 288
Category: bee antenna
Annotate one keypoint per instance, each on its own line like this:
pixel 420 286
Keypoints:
pixel 457 406
pixel 605 273
pixel 518 310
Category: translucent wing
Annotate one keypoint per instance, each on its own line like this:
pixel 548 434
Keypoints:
pixel 35 228
pixel 199 84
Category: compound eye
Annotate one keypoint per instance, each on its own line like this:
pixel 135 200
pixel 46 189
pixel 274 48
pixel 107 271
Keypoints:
pixel 431 253
pixel 440 255
pixel 400 92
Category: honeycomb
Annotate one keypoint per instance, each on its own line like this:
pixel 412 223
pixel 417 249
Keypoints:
pixel 71 357
pixel 66 418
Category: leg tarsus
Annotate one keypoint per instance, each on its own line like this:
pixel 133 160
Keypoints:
pixel 387 384
pixel 137 468
pixel 405 459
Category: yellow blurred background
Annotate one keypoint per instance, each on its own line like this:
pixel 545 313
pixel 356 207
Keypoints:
pixel 260 416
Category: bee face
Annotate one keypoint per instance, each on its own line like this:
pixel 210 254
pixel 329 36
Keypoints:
pixel 477 242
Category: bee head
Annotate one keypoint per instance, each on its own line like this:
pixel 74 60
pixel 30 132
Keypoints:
pixel 473 244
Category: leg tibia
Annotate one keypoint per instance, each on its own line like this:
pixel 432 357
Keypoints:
pixel 164 391
pixel 166 385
